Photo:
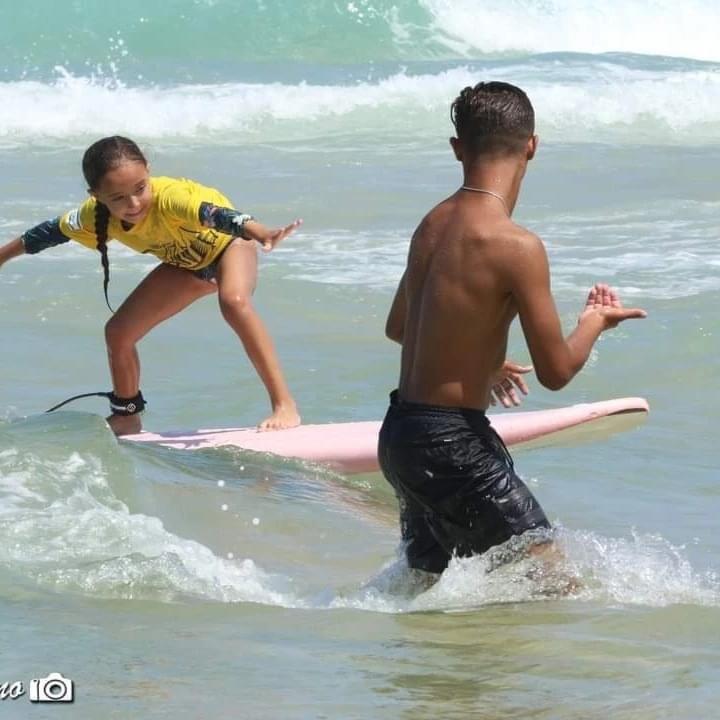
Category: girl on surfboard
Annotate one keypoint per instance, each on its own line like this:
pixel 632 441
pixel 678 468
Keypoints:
pixel 205 246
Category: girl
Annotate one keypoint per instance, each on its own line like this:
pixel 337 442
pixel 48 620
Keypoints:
pixel 201 241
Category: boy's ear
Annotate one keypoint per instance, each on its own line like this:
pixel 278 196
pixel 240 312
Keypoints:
pixel 532 146
pixel 457 147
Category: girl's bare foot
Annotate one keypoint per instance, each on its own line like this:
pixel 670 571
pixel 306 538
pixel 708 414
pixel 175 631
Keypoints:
pixel 284 416
pixel 124 424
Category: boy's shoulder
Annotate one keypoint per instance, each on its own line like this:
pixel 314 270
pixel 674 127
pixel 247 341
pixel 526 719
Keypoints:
pixel 523 237
pixel 505 234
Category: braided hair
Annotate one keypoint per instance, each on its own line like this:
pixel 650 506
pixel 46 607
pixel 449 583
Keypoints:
pixel 99 159
pixel 493 118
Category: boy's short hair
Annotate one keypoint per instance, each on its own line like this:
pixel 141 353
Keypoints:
pixel 493 118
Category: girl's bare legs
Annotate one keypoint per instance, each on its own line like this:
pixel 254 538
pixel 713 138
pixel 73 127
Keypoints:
pixel 162 294
pixel 237 273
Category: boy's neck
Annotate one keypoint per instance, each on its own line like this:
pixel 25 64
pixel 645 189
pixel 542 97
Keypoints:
pixel 502 177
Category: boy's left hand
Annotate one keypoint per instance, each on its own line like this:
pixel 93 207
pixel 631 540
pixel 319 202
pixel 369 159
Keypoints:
pixel 605 302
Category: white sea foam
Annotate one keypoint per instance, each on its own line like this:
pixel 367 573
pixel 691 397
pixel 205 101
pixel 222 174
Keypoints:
pixel 631 250
pixel 593 100
pixel 656 27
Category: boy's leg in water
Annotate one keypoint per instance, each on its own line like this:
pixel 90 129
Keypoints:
pixel 552 568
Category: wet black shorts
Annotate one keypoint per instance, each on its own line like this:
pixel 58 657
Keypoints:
pixel 454 478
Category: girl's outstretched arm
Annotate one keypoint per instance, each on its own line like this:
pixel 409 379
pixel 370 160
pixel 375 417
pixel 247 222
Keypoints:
pixel 268 237
pixel 239 224
pixel 45 235
pixel 12 249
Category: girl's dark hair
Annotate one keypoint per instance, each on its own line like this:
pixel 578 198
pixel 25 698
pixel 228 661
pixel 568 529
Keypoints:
pixel 493 118
pixel 101 157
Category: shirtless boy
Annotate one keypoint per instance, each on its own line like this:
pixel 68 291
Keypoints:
pixel 470 271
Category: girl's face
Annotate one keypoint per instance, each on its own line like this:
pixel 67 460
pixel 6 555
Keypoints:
pixel 126 191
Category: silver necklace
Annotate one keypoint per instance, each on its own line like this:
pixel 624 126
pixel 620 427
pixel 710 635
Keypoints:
pixel 488 192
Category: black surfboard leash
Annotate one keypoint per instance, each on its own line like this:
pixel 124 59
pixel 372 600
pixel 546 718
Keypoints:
pixel 77 397
pixel 118 405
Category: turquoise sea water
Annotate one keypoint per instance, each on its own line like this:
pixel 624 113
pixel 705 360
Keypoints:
pixel 194 585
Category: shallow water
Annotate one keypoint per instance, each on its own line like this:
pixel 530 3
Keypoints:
pixel 180 584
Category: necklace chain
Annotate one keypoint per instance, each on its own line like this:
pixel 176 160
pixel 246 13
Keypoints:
pixel 488 192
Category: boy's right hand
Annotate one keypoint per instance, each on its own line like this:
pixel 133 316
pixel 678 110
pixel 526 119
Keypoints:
pixel 604 302
pixel 506 380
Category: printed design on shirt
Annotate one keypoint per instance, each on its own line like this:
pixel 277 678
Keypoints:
pixel 192 249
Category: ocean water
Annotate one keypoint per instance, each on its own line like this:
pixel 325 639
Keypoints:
pixel 224 584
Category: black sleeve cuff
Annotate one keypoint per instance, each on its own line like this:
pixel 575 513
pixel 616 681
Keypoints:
pixel 43 236
pixel 228 221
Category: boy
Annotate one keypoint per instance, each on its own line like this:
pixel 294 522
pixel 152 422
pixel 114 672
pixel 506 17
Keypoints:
pixel 470 271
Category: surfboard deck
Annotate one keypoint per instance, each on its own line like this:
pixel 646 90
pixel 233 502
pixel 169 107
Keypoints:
pixel 352 447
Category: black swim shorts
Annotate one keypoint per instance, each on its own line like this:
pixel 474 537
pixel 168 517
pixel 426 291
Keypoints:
pixel 209 273
pixel 454 479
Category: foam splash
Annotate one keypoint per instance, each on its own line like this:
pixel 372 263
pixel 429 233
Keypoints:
pixel 62 525
pixel 643 570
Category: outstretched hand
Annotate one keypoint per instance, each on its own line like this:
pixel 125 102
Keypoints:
pixel 604 300
pixel 508 380
pixel 269 238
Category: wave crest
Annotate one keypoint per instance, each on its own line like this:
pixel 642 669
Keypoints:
pixel 585 100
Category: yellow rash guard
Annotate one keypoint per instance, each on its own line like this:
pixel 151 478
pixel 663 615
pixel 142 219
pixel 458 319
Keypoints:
pixel 171 230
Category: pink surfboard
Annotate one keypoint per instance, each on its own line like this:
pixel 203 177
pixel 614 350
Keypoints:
pixel 352 447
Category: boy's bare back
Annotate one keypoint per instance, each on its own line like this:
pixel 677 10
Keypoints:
pixel 459 301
